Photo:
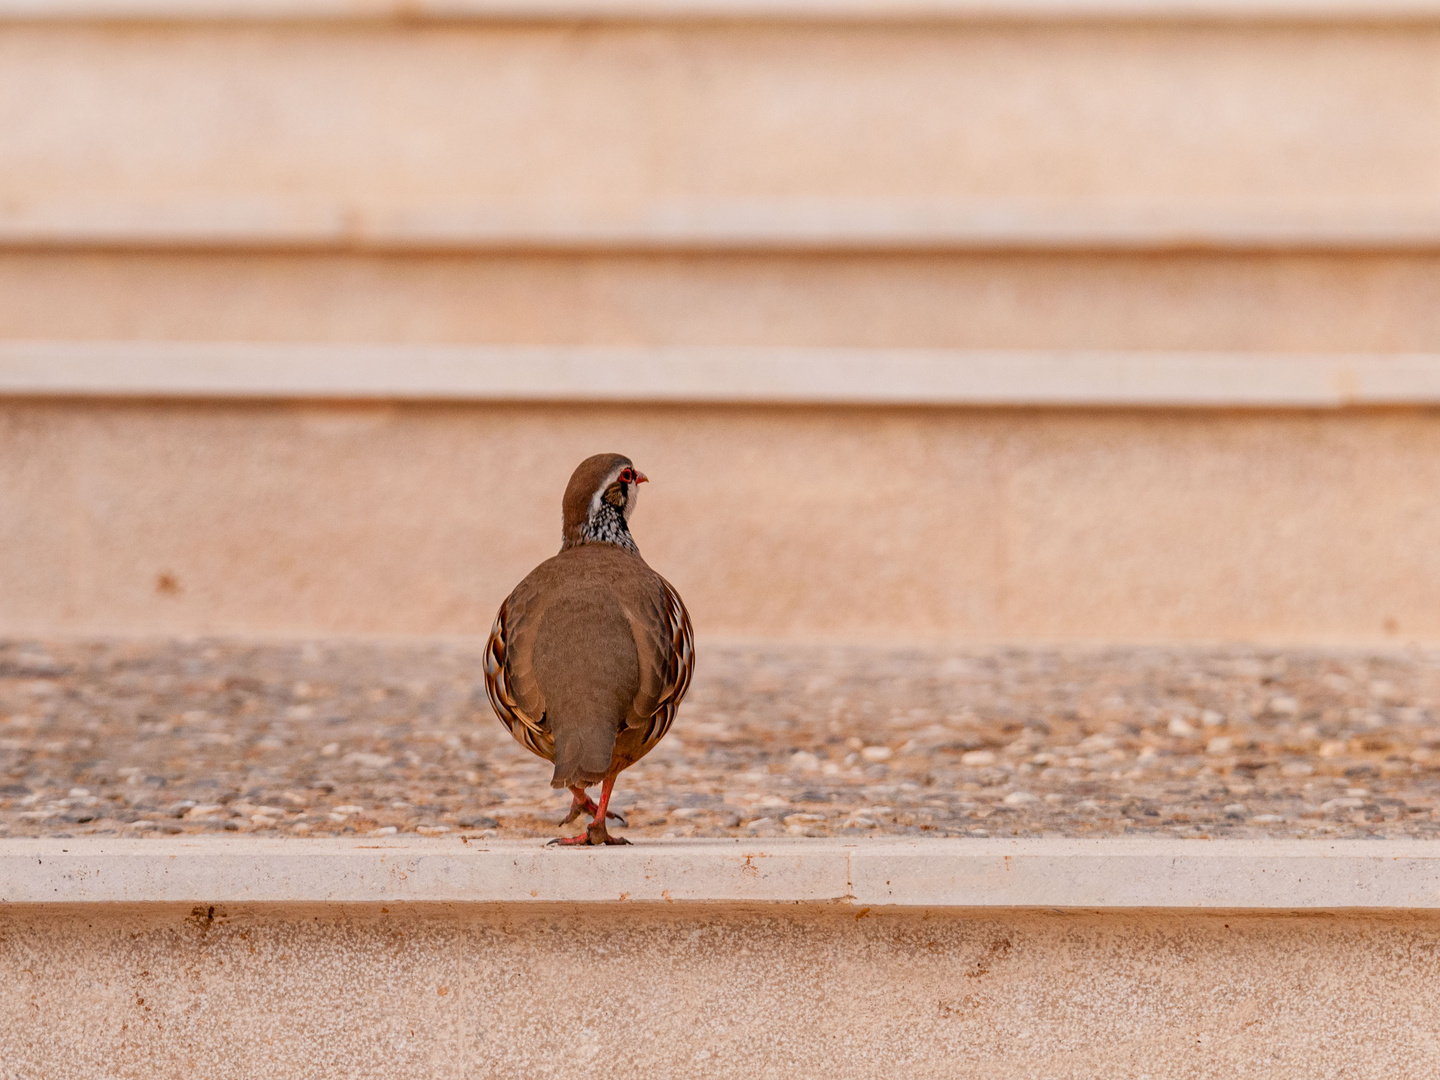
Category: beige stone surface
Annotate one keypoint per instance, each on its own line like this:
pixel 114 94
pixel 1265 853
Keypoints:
pixel 896 524
pixel 1068 134
pixel 241 991
pixel 1252 302
pixel 362 739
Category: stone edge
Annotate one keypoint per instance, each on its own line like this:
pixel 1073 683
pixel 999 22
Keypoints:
pixel 1274 875
pixel 679 10
pixel 795 376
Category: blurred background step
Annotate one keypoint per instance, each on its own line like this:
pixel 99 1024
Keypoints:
pixel 1250 301
pixel 722 10
pixel 1107 175
pixel 879 523
pixel 738 375
pixel 739 135
pixel 1079 215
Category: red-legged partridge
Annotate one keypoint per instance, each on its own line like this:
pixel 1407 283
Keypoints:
pixel 591 654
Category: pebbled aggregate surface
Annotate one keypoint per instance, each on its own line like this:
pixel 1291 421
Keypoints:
pixel 339 737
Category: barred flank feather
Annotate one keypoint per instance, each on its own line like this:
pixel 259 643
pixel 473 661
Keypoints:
pixel 528 733
pixel 681 664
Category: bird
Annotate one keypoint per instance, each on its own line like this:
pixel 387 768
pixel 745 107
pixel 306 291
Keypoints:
pixel 590 655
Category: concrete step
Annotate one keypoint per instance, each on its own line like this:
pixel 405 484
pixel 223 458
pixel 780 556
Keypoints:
pixel 1253 302
pixel 1249 11
pixel 1067 200
pixel 947 958
pixel 714 375
pixel 1115 174
pixel 753 133
pixel 775 520
pixel 1076 874
pixel 354 739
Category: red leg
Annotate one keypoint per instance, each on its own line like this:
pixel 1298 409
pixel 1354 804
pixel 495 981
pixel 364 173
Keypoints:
pixel 580 804
pixel 583 804
pixel 596 832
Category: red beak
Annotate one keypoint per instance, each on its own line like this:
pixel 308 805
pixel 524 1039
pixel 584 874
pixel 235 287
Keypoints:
pixel 640 477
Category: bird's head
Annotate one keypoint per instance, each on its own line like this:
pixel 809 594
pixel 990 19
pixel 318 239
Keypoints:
pixel 599 500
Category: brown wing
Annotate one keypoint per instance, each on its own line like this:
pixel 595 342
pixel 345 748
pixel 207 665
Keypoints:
pixel 680 663
pixel 528 730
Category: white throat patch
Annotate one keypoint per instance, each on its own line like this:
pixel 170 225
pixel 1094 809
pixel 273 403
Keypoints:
pixel 610 524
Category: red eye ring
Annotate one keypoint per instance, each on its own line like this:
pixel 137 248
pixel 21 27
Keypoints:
pixel 627 476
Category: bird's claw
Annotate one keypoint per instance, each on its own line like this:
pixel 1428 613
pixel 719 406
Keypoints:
pixel 597 834
pixel 588 839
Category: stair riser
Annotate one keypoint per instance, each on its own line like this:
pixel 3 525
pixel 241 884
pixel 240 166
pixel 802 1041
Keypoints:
pixel 1252 302
pixel 728 135
pixel 635 991
pixel 861 523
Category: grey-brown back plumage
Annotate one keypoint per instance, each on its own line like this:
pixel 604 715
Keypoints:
pixel 585 664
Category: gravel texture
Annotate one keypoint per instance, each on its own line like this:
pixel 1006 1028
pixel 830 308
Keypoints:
pixel 344 737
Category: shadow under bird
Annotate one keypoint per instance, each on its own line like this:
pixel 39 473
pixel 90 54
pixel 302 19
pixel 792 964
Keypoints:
pixel 591 654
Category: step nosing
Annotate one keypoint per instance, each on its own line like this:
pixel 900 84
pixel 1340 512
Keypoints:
pixel 1301 875
pixel 877 11
pixel 718 375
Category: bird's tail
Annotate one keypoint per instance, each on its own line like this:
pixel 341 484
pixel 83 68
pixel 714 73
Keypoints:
pixel 582 754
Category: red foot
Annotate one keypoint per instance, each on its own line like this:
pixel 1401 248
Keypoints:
pixel 595 833
pixel 582 840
